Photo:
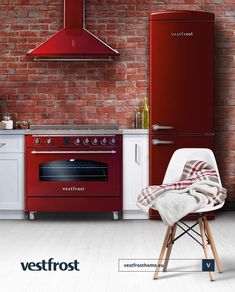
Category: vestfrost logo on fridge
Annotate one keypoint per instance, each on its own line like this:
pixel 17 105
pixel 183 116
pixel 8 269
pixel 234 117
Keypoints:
pixel 182 34
pixel 50 265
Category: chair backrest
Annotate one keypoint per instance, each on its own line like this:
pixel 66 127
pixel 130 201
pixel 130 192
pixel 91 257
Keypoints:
pixel 181 156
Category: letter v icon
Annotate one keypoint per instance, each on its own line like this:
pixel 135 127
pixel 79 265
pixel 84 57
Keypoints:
pixel 208 265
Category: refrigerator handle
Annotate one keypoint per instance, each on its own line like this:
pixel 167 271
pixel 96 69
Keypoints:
pixel 160 142
pixel 159 127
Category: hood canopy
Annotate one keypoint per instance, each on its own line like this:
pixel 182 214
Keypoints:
pixel 73 42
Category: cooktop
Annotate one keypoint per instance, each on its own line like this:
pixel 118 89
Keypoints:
pixel 73 127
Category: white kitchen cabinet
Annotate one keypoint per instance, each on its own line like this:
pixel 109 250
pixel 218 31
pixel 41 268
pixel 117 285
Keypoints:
pixel 11 176
pixel 135 171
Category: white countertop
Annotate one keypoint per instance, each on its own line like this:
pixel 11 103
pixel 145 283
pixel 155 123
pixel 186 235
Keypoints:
pixel 75 132
pixel 135 131
pixel 12 132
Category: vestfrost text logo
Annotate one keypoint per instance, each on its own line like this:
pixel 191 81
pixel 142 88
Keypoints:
pixel 50 265
pixel 73 189
pixel 182 34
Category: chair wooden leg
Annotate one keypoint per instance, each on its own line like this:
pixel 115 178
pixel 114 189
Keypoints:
pixel 204 243
pixel 169 248
pixel 162 254
pixel 212 244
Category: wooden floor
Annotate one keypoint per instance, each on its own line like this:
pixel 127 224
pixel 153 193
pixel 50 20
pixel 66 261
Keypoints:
pixel 98 244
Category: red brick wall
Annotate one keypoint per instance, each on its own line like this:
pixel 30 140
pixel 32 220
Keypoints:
pixel 105 92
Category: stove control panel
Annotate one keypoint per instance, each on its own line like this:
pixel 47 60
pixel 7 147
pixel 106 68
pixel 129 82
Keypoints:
pixel 74 141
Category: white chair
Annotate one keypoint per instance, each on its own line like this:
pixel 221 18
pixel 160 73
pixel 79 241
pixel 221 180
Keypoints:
pixel 173 174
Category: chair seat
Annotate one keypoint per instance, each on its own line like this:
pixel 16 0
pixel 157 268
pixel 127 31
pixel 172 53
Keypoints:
pixel 210 208
pixel 202 210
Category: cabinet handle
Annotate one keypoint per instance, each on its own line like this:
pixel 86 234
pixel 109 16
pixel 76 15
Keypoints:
pixel 2 144
pixel 160 142
pixel 159 127
pixel 137 156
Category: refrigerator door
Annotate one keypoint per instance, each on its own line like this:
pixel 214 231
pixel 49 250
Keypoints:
pixel 163 146
pixel 181 74
pixel 161 149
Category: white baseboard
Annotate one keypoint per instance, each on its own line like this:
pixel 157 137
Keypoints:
pixel 12 214
pixel 134 214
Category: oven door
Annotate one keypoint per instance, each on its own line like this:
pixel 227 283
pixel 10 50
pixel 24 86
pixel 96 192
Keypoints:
pixel 65 172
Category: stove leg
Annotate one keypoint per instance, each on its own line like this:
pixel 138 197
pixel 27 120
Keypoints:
pixel 115 215
pixel 32 215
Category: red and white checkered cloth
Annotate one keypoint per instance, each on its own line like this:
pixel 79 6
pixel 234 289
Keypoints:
pixel 194 171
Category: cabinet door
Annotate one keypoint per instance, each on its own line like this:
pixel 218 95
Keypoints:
pixel 135 169
pixel 11 143
pixel 11 181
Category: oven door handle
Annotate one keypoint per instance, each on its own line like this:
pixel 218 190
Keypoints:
pixel 74 152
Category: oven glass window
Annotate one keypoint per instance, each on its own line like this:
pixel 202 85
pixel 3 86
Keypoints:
pixel 73 170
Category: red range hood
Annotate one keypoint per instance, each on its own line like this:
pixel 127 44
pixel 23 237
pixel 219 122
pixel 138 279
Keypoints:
pixel 73 42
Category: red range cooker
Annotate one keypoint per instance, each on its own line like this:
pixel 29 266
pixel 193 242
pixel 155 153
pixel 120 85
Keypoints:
pixel 73 173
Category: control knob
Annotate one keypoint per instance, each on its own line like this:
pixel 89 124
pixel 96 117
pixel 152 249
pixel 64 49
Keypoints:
pixel 112 141
pixel 77 141
pixel 94 141
pixel 86 141
pixel 37 141
pixel 49 141
pixel 104 141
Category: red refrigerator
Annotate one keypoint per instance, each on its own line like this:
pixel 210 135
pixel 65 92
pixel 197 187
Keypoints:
pixel 181 85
